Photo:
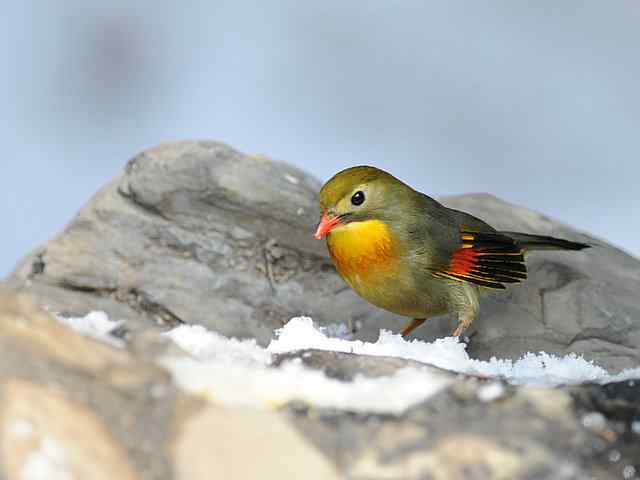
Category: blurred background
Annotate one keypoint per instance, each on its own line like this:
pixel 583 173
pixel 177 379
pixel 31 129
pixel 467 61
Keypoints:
pixel 536 102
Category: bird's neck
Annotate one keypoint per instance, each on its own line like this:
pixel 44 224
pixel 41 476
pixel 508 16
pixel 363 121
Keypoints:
pixel 362 248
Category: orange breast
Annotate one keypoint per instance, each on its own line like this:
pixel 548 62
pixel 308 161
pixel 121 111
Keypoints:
pixel 361 250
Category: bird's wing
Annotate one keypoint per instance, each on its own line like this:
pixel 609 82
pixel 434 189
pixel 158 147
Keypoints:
pixel 489 259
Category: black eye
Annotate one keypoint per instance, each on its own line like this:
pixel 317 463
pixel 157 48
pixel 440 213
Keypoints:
pixel 358 198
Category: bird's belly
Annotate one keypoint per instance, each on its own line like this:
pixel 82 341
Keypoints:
pixel 399 295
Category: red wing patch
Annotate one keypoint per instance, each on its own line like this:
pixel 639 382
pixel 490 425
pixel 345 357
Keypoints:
pixel 486 259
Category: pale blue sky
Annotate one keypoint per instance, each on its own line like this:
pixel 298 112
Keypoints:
pixel 536 102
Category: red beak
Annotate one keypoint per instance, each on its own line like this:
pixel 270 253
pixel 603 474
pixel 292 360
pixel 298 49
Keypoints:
pixel 326 224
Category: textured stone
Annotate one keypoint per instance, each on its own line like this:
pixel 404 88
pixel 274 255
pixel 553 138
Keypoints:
pixel 23 325
pixel 44 435
pixel 333 364
pixel 244 444
pixel 526 433
pixel 452 457
pixel 83 401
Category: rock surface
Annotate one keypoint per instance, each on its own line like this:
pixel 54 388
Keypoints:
pixel 469 431
pixel 246 444
pixel 76 408
pixel 72 407
pixel 197 232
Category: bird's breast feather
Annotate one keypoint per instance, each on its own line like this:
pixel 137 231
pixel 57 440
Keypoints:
pixel 363 248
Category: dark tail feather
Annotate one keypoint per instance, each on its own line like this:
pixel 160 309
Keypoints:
pixel 540 242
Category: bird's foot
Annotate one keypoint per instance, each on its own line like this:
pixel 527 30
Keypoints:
pixel 466 339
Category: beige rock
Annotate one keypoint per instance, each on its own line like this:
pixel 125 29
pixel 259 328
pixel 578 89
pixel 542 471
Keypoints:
pixel 22 322
pixel 551 403
pixel 35 332
pixel 449 459
pixel 43 435
pixel 242 444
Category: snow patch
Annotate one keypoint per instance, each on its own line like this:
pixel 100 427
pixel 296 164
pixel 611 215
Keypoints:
pixel 239 372
pixel 491 392
pixel 47 463
pixel 263 386
pixel 208 346
pixel 96 325
pixel 450 354
pixel 291 179
pixel 21 428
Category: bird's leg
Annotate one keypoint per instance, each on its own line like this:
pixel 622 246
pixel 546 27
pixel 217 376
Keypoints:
pixel 465 319
pixel 411 326
pixel 466 298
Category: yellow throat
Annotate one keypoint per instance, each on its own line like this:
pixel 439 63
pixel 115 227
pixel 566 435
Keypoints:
pixel 362 249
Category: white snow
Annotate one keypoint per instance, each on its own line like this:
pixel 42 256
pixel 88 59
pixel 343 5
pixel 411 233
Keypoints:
pixel 491 392
pixel 96 325
pixel 291 179
pixel 47 463
pixel 239 372
pixel 261 386
pixel 208 346
pixel 594 421
pixel 21 428
pixel 450 354
pixel 628 472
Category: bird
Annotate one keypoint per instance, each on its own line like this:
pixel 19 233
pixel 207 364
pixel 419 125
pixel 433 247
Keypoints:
pixel 408 254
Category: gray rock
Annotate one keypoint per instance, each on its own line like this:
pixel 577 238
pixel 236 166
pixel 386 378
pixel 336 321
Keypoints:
pixel 197 232
pixel 345 366
pixel 525 433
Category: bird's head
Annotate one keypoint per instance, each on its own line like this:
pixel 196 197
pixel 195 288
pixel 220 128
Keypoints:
pixel 358 194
